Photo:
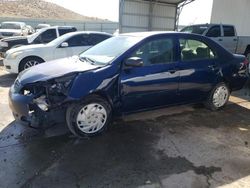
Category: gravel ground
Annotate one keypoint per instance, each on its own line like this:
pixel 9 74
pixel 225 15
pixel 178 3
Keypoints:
pixel 185 146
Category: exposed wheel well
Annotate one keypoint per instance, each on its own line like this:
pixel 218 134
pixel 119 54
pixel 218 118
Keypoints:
pixel 224 80
pixel 29 57
pixel 103 96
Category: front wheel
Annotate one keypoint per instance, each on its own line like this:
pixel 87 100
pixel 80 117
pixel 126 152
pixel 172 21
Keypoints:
pixel 29 62
pixel 89 118
pixel 218 97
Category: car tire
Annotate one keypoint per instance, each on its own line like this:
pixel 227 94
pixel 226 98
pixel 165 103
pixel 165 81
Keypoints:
pixel 218 97
pixel 29 62
pixel 89 118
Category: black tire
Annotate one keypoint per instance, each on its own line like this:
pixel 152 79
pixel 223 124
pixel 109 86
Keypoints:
pixel 23 63
pixel 210 101
pixel 74 109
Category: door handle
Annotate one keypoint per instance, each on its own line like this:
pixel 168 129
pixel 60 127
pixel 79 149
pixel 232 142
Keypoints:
pixel 172 71
pixel 212 67
pixel 220 39
pixel 235 39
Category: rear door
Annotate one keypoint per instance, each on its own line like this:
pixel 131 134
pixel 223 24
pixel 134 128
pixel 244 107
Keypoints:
pixel 230 39
pixel 156 82
pixel 199 70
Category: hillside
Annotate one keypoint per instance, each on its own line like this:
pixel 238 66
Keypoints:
pixel 39 9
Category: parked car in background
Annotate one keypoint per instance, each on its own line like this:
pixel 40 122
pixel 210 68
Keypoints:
pixel 20 58
pixel 43 36
pixel 30 29
pixel 225 35
pixel 9 29
pixel 40 26
pixel 124 74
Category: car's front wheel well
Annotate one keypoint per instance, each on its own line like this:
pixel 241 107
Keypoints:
pixel 22 62
pixel 102 95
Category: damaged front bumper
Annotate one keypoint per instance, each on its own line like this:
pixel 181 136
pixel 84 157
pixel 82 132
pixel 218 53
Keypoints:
pixel 33 110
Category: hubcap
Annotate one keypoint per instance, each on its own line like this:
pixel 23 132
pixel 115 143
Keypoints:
pixel 30 63
pixel 91 118
pixel 220 96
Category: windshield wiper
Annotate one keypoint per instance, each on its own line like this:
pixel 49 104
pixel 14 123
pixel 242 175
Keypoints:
pixel 91 61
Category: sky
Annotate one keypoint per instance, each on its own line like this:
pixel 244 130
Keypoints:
pixel 196 12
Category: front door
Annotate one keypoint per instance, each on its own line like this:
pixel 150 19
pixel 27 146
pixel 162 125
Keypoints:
pixel 156 82
pixel 76 45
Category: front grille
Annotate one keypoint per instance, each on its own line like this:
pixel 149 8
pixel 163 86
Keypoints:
pixel 7 34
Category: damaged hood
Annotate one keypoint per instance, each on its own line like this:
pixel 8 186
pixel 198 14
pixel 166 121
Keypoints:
pixel 53 69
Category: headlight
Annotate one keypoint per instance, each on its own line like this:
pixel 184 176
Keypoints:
pixel 14 55
pixel 61 85
pixel 4 44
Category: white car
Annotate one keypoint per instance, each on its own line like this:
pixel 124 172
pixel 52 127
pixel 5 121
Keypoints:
pixel 20 58
pixel 9 29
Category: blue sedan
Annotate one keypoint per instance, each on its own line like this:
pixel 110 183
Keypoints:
pixel 125 74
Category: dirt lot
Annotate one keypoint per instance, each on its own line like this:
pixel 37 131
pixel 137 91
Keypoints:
pixel 186 146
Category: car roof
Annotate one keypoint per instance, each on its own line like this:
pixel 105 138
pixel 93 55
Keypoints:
pixel 209 24
pixel 13 23
pixel 156 33
pixel 85 32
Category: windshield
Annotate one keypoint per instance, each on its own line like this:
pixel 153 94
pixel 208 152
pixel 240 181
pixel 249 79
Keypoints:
pixel 108 50
pixel 198 29
pixel 10 26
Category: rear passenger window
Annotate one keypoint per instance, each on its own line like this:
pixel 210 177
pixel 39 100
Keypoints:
pixel 229 31
pixel 195 50
pixel 159 51
pixel 214 32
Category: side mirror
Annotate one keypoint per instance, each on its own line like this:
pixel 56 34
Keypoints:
pixel 64 45
pixel 134 62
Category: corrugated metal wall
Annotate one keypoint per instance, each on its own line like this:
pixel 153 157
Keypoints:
pixel 232 12
pixel 137 15
pixel 109 27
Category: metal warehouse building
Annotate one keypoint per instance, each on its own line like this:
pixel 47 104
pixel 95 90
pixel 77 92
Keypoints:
pixel 149 15
pixel 232 12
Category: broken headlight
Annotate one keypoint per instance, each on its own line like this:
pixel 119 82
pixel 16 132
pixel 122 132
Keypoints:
pixel 61 85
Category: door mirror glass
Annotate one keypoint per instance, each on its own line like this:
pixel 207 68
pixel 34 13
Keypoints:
pixel 134 62
pixel 64 45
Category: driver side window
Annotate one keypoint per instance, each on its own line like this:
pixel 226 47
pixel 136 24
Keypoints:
pixel 160 51
pixel 48 35
pixel 78 40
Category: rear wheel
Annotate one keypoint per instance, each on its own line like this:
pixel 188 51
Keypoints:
pixel 89 118
pixel 29 62
pixel 218 97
